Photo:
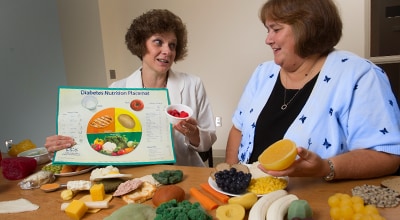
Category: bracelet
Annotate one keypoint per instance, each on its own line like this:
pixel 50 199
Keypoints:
pixel 331 174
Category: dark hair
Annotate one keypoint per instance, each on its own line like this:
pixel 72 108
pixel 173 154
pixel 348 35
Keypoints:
pixel 156 21
pixel 316 24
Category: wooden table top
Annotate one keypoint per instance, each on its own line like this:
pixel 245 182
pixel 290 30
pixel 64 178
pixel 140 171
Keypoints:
pixel 314 190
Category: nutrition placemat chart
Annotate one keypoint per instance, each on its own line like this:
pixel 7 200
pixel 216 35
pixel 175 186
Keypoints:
pixel 114 126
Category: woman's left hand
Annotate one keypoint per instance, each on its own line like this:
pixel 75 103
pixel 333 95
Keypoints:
pixel 309 164
pixel 189 128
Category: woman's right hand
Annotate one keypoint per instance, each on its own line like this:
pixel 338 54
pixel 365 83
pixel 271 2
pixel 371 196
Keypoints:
pixel 58 142
pixel 308 164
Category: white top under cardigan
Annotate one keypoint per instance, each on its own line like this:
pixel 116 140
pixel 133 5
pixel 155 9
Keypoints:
pixel 351 106
pixel 188 90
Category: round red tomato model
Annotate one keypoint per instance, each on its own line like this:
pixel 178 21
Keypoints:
pixel 137 104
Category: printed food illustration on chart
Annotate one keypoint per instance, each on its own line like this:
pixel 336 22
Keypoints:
pixel 114 131
pixel 118 126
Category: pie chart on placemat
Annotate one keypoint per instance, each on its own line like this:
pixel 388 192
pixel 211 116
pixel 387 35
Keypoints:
pixel 114 131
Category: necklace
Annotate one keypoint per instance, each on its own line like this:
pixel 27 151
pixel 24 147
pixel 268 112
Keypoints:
pixel 165 83
pixel 164 86
pixel 285 104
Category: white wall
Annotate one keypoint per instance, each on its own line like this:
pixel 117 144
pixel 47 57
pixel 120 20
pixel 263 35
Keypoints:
pixel 226 43
pixel 82 43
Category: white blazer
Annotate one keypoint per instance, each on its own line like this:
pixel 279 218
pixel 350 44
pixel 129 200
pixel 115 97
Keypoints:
pixel 188 90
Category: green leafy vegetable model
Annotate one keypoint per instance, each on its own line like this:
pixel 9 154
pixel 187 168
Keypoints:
pixel 185 210
pixel 168 176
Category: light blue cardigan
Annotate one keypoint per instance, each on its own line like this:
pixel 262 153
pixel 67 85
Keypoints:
pixel 351 106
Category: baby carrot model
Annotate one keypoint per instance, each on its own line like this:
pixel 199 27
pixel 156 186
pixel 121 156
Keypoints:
pixel 204 200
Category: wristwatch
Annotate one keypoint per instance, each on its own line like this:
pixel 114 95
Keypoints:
pixel 331 174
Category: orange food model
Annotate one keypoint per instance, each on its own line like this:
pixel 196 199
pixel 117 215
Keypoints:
pixel 49 187
pixel 204 200
pixel 76 209
pixel 220 196
pixel 68 168
pixel 278 156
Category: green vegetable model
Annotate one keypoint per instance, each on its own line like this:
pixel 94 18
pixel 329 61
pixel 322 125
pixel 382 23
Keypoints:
pixel 53 168
pixel 185 210
pixel 133 211
pixel 168 176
